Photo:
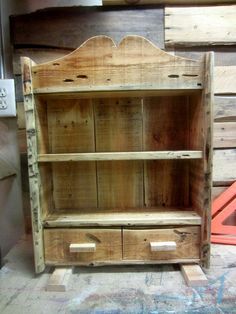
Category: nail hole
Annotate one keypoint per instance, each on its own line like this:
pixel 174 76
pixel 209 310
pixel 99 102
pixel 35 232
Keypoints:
pixel 199 84
pixel 68 80
pixel 190 75
pixel 55 63
pixel 173 76
pixel 82 76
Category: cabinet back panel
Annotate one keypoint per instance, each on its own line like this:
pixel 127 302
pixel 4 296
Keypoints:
pixel 71 126
pixel 166 123
pixel 166 183
pixel 74 185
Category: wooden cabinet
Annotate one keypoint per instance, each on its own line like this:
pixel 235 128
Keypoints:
pixel 119 148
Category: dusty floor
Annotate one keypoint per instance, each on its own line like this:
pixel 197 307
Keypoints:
pixel 114 290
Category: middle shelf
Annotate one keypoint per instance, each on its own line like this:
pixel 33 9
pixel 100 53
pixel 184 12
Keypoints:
pixel 143 155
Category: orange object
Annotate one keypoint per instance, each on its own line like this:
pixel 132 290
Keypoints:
pixel 223 225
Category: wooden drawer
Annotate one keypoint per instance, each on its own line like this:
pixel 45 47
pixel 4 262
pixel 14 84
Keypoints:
pixel 82 246
pixel 161 244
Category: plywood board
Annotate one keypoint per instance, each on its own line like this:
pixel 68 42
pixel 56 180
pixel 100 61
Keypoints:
pixel 194 26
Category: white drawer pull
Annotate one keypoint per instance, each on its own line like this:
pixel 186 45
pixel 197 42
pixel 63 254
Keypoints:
pixel 163 246
pixel 82 247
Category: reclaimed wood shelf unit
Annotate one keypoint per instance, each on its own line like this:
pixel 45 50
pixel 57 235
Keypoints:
pixel 120 152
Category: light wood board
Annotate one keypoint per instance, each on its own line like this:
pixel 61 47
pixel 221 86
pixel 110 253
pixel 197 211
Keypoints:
pixel 194 26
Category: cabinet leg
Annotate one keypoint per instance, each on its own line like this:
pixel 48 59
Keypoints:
pixel 59 279
pixel 194 275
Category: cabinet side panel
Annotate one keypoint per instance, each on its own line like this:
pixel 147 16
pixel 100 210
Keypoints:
pixel 196 120
pixel 34 176
pixel 208 100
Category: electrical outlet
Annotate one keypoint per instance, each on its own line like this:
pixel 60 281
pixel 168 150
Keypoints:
pixel 7 98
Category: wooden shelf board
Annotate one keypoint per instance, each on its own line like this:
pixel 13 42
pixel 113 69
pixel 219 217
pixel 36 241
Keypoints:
pixel 112 92
pixel 147 155
pixel 145 217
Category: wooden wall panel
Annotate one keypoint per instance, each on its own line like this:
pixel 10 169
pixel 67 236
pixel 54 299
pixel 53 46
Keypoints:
pixel 70 27
pixel 224 170
pixel 225 109
pixel 144 2
pixel 224 135
pixel 225 79
pixel 195 26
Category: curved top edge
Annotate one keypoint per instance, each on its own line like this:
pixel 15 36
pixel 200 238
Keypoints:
pixel 113 44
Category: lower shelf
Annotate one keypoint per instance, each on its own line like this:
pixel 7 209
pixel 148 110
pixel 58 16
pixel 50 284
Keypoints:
pixel 68 218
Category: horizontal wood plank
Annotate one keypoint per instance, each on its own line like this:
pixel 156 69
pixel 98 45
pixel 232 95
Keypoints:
pixel 224 166
pixel 194 26
pixel 224 108
pixel 143 2
pixel 80 23
pixel 225 79
pixel 224 135
pixel 151 155
pixel 143 217
pixel 135 64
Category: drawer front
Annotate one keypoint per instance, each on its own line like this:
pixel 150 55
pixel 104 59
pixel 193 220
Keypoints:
pixel 161 244
pixel 82 246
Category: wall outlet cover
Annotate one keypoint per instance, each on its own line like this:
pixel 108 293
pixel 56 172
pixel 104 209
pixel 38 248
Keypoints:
pixel 7 98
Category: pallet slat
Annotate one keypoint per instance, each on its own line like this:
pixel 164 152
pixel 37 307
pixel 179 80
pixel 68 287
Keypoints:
pixel 151 155
pixel 195 26
pixel 144 217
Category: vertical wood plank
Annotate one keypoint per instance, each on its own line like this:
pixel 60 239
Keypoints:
pixel 118 127
pixel 34 177
pixel 166 127
pixel 208 99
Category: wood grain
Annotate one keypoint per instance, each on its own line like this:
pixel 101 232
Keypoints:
pixel 151 155
pixel 224 135
pixel 107 67
pixel 137 243
pixel 57 246
pixel 74 185
pixel 77 24
pixel 225 109
pixel 34 178
pixel 225 80
pixel 70 126
pixel 193 275
pixel 195 26
pixel 224 171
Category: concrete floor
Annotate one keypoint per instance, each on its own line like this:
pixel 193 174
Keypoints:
pixel 115 290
